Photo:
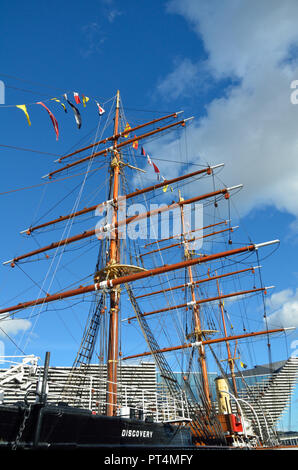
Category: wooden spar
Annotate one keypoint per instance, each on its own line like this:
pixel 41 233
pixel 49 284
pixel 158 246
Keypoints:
pixel 202 301
pixel 205 342
pixel 185 233
pixel 135 277
pixel 50 298
pixel 103 230
pixel 121 145
pixel 117 136
pixel 207 279
pixel 191 240
pixel 208 171
pixel 114 257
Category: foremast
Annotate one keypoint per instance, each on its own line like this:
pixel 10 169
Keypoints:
pixel 114 255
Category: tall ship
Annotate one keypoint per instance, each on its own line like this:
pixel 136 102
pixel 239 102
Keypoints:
pixel 171 285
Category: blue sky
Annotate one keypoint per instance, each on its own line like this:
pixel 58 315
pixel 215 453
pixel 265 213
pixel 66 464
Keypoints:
pixel 228 64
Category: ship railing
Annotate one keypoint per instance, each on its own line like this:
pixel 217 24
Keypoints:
pixel 132 401
pixel 161 407
pixel 90 393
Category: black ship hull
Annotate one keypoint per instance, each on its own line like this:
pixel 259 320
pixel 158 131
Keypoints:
pixel 62 427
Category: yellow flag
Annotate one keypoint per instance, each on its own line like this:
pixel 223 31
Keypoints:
pixel 62 104
pixel 166 187
pixel 23 108
pixel 127 128
pixel 85 100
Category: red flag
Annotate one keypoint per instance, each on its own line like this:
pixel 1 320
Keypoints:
pixel 53 119
pixel 155 168
pixel 100 109
pixel 76 97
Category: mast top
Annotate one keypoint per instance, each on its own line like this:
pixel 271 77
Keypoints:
pixel 117 99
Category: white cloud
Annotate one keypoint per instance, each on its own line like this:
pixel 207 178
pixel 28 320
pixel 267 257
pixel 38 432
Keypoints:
pixel 284 307
pixel 239 35
pixel 13 326
pixel 95 33
pixel 112 15
pixel 93 39
pixel 253 129
pixel 110 11
pixel 182 81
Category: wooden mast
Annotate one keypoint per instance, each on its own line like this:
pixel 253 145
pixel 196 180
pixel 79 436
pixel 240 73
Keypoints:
pixel 231 361
pixel 198 334
pixel 112 364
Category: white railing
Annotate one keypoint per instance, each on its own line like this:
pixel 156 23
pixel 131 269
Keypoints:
pixel 16 371
pixel 132 401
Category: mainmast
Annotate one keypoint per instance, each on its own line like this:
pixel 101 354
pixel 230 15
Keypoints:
pixel 112 364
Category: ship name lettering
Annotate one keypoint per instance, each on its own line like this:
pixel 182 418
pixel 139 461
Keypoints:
pixel 136 433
